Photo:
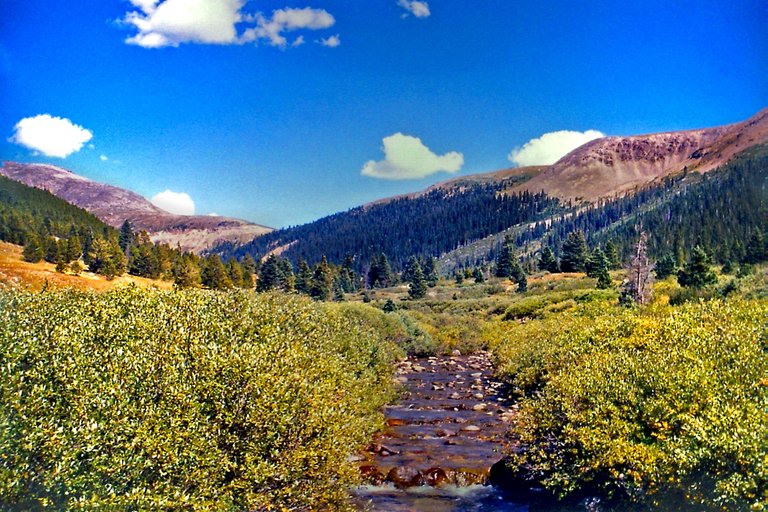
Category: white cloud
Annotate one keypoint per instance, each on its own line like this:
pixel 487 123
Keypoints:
pixel 175 202
pixel 407 158
pixel 331 42
pixel 51 136
pixel 551 147
pixel 174 22
pixel 103 158
pixel 415 7
pixel 287 20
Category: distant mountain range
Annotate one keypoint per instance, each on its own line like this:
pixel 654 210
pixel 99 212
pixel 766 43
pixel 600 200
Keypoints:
pixel 465 216
pixel 444 218
pixel 115 205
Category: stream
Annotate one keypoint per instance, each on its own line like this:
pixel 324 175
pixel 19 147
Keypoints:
pixel 441 439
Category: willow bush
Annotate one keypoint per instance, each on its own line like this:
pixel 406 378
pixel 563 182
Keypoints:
pixel 647 405
pixel 145 400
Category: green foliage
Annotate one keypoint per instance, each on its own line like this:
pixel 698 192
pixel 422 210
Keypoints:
pixel 644 404
pixel 33 251
pixel 540 305
pixel 665 267
pixel 697 273
pixel 547 260
pixel 573 257
pixel 145 400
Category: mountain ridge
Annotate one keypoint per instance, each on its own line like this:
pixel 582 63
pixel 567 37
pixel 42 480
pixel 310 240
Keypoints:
pixel 115 205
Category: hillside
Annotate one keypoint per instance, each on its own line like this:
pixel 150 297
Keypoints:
pixel 599 184
pixel 612 165
pixel 115 205
pixel 26 210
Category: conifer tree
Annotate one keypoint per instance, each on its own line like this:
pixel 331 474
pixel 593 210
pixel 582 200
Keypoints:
pixel 612 253
pixel 322 281
pixel 186 272
pixel 74 248
pixel 303 277
pixel 478 275
pixel 417 287
pixel 665 266
pixel 522 283
pixel 213 274
pixel 755 252
pixel 52 253
pixel 697 272
pixel 235 273
pixel 126 237
pixel 573 257
pixel 431 271
pixel 547 260
pixel 505 258
pixel 286 279
pixel 268 275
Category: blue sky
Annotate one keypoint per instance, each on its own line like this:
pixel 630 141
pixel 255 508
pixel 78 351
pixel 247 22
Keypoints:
pixel 249 125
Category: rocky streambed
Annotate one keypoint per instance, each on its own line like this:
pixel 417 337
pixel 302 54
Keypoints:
pixel 441 440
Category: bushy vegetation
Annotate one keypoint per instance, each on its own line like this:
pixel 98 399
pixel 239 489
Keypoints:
pixel 146 400
pixel 646 404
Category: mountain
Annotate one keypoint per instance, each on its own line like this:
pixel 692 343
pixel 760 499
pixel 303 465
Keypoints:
pixel 597 184
pixel 115 205
pixel 609 166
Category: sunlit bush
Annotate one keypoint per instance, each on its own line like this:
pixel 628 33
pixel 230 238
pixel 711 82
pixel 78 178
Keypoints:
pixel 143 400
pixel 647 404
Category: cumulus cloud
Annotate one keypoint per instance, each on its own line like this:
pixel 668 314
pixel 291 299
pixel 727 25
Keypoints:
pixel 551 147
pixel 407 158
pixel 287 20
pixel 415 7
pixel 175 202
pixel 174 22
pixel 51 136
pixel 103 158
pixel 331 42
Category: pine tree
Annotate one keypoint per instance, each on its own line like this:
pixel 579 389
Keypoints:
pixel 612 253
pixel 126 237
pixel 431 271
pixel 235 273
pixel 74 248
pixel 597 263
pixel 755 251
pixel 665 266
pixel 417 287
pixel 522 283
pixel 478 275
pixel 459 277
pixel 285 277
pixel 573 256
pixel 505 258
pixel 303 277
pixel 697 272
pixel 186 272
pixel 52 253
pixel 547 260
pixel 380 273
pixel 249 264
pixel 268 275
pixel 322 281
pixel 213 274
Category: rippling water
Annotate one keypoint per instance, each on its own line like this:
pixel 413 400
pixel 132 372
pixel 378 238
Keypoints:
pixel 473 498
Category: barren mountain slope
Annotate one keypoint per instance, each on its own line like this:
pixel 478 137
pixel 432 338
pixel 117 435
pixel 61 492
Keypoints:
pixel 612 165
pixel 115 205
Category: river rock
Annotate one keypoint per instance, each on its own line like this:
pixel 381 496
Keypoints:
pixel 404 477
pixel 372 475
pixel 471 428
pixel 479 407
pixel 435 477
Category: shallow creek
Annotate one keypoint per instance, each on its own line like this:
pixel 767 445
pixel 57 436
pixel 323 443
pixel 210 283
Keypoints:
pixel 441 439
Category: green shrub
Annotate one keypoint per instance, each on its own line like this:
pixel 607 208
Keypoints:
pixel 643 404
pixel 147 400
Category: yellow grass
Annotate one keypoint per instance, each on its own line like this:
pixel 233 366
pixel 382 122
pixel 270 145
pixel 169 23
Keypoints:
pixel 18 274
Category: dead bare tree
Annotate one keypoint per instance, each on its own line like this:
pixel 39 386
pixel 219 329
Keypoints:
pixel 638 288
